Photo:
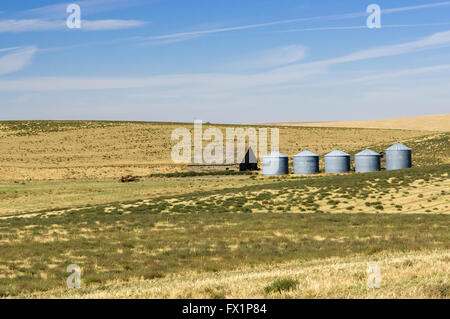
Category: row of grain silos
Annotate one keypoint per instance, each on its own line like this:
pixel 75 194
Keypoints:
pixel 398 156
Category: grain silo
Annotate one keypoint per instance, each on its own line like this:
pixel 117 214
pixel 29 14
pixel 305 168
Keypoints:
pixel 275 163
pixel 398 156
pixel 337 162
pixel 306 162
pixel 367 161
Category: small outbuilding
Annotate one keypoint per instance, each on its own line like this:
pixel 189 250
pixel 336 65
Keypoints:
pixel 306 162
pixel 367 161
pixel 398 156
pixel 249 162
pixel 337 162
pixel 275 163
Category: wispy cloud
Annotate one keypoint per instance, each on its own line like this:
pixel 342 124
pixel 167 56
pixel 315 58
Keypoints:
pixel 53 17
pixel 196 83
pixel 376 77
pixel 385 26
pixel 29 25
pixel 25 25
pixel 436 40
pixel 191 34
pixel 275 57
pixel 183 36
pixel 146 41
pixel 8 49
pixel 17 60
pixel 401 73
pixel 97 25
pixel 58 11
pixel 418 7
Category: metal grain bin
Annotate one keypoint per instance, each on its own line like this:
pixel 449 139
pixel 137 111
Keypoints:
pixel 367 161
pixel 306 162
pixel 275 163
pixel 337 162
pixel 398 156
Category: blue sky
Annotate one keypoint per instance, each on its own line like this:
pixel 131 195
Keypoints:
pixel 228 61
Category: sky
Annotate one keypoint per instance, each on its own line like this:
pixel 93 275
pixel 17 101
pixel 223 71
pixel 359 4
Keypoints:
pixel 219 61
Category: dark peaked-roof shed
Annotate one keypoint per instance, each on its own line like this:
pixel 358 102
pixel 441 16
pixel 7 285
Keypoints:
pixel 249 162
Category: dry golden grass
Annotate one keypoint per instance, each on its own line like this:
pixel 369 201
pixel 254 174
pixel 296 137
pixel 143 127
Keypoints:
pixel 123 148
pixel 41 195
pixel 113 151
pixel 430 196
pixel 439 122
pixel 423 274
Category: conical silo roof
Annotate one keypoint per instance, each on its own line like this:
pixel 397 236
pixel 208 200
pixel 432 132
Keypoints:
pixel 367 152
pixel 337 153
pixel 398 147
pixel 275 155
pixel 306 153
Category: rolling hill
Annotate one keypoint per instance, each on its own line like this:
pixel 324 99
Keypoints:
pixel 439 122
pixel 58 150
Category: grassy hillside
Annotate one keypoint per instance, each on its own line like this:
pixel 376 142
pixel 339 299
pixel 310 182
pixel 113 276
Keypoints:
pixel 204 236
pixel 43 150
pixel 220 230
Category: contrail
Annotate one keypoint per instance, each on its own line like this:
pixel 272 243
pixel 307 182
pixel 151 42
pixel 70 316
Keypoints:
pixel 280 22
pixel 422 6
pixel 365 27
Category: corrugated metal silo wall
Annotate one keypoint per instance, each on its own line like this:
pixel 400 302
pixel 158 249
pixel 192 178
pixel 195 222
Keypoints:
pixel 367 163
pixel 306 164
pixel 337 164
pixel 398 159
pixel 275 166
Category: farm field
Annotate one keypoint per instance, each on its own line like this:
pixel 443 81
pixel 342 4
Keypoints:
pixel 203 236
pixel 43 150
pixel 208 232
pixel 439 122
pixel 269 151
pixel 60 194
pixel 409 275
